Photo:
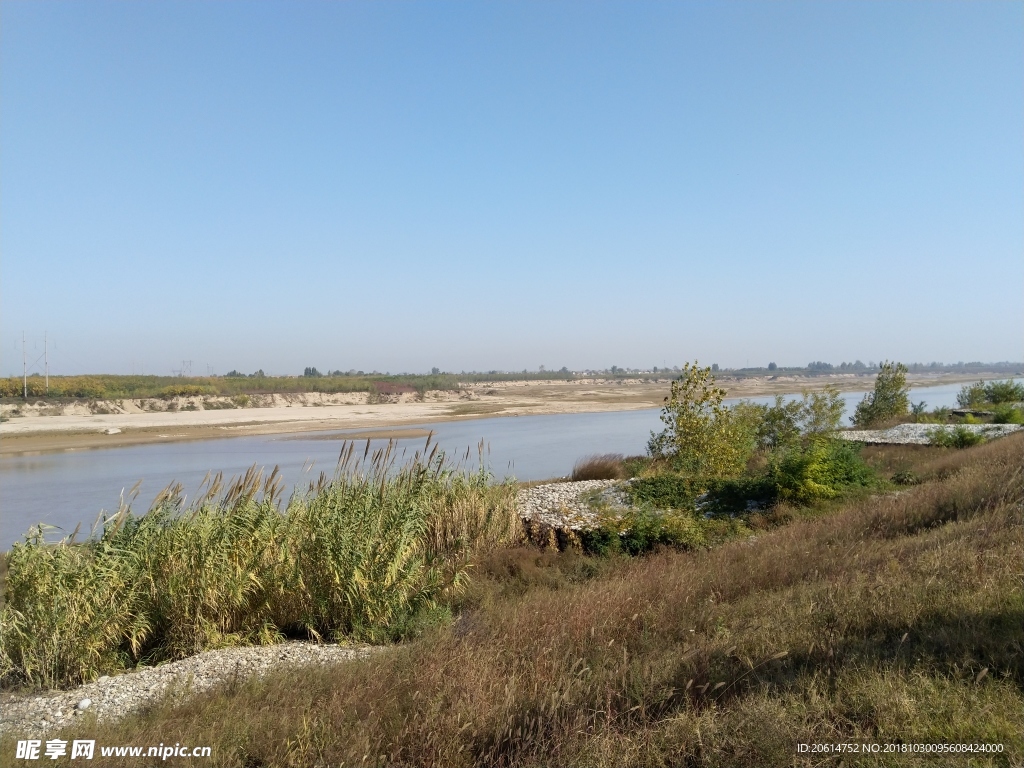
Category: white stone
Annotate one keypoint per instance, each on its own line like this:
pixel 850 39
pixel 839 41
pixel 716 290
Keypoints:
pixel 83 705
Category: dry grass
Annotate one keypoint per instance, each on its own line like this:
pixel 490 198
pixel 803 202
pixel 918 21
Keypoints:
pixel 897 617
pixel 607 466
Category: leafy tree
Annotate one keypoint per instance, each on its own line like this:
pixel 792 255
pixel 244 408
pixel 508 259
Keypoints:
pixel 981 393
pixel 702 438
pixel 311 372
pixel 772 367
pixel 1008 391
pixel 971 394
pixel 889 399
pixel 821 412
pixel 814 416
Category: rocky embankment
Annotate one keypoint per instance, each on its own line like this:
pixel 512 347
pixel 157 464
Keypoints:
pixel 563 505
pixel 110 698
pixel 920 434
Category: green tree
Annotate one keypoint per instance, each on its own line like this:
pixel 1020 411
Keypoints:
pixel 971 395
pixel 702 438
pixel 890 398
pixel 821 412
pixel 785 424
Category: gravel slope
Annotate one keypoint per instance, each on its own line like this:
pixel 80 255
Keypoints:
pixel 917 434
pixel 114 697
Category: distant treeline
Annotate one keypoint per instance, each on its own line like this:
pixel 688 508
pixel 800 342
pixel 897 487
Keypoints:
pixel 112 387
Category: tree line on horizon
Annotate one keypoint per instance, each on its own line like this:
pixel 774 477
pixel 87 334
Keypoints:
pixel 115 386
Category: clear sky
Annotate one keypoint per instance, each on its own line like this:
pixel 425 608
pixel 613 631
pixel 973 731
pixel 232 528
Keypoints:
pixel 395 186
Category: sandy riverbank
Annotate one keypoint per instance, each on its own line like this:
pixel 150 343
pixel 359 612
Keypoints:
pixel 44 429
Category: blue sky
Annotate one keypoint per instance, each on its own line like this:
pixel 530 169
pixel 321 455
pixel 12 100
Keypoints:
pixel 395 186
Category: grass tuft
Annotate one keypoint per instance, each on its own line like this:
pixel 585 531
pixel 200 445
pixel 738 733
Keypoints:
pixel 608 466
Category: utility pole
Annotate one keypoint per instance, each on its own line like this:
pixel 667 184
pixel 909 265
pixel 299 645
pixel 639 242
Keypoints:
pixel 24 368
pixel 46 362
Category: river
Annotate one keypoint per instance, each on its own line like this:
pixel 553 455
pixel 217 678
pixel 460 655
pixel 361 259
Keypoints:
pixel 65 489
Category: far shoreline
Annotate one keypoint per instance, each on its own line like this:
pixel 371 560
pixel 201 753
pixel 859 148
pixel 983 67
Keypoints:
pixel 42 435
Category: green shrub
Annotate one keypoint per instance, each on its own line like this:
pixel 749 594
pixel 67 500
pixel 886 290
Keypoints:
pixel 889 399
pixel 1008 391
pixel 740 495
pixel 783 424
pixel 639 531
pixel 906 477
pixel 958 437
pixel 994 392
pixel 1007 414
pixel 971 395
pixel 663 491
pixel 822 470
pixel 634 466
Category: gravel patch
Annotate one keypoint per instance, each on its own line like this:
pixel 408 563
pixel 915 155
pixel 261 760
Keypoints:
pixel 917 434
pixel 111 698
pixel 560 505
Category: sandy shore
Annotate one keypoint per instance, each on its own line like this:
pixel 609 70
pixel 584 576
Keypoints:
pixel 129 424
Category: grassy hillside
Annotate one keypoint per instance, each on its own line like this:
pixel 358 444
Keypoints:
pixel 893 618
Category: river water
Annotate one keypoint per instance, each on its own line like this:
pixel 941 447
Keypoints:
pixel 65 489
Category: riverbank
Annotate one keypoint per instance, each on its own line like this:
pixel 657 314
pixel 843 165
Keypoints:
pixel 881 617
pixel 37 428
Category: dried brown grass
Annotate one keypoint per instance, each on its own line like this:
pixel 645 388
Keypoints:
pixel 896 618
pixel 607 466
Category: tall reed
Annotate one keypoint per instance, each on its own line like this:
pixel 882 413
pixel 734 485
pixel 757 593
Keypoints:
pixel 360 555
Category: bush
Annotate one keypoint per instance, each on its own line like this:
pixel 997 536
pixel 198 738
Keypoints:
pixel 995 392
pixel 1007 414
pixel 958 437
pixel 740 496
pixel 702 438
pixel 889 399
pixel 640 531
pixel 663 491
pixel 1007 391
pixel 608 466
pixel 906 477
pixel 971 395
pixel 634 466
pixel 784 423
pixel 822 470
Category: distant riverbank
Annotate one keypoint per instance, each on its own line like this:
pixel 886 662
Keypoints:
pixel 39 427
